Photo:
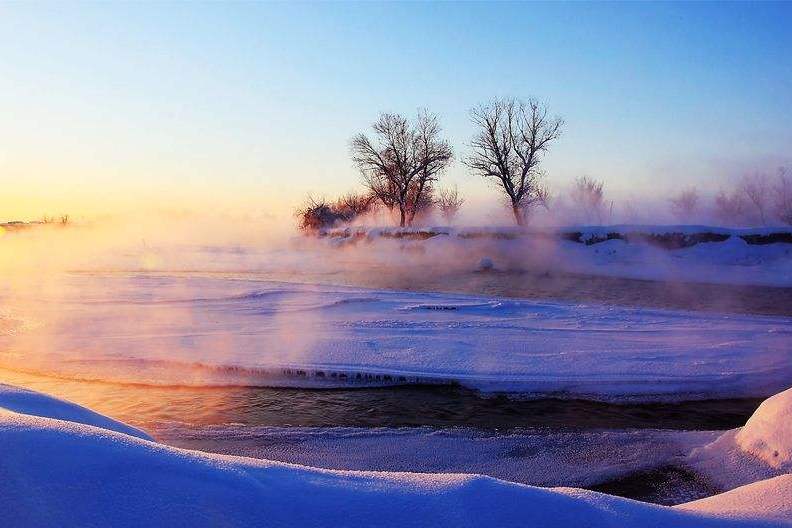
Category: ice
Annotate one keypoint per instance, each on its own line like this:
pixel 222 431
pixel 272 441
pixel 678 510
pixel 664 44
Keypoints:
pixel 537 457
pixel 198 330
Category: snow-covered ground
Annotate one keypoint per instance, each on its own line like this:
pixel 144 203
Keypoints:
pixel 199 330
pixel 55 472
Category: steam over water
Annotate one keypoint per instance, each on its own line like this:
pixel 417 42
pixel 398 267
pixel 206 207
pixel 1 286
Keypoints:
pixel 509 372
pixel 166 329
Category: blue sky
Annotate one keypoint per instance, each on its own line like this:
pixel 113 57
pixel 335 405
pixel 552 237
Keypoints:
pixel 256 102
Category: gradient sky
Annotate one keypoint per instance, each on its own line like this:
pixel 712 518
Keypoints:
pixel 110 106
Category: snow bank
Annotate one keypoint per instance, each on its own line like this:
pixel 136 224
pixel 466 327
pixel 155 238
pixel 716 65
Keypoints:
pixel 58 473
pixel 36 404
pixel 768 433
pixel 688 253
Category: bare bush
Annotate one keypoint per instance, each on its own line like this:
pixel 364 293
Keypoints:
pixel 449 202
pixel 400 167
pixel 783 196
pixel 757 193
pixel 508 147
pixel 685 204
pixel 588 198
pixel 316 214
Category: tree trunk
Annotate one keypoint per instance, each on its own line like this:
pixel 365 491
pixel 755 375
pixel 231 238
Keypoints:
pixel 401 216
pixel 518 216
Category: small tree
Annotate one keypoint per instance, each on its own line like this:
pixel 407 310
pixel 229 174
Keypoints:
pixel 400 166
pixel 783 196
pixel 449 202
pixel 588 196
pixel 757 192
pixel 685 203
pixel 512 137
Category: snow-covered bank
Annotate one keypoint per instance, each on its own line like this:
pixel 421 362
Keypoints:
pixel 665 253
pixel 194 330
pixel 55 473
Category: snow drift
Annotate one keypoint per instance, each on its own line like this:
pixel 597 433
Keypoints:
pixel 55 472
pixel 759 450
pixel 768 433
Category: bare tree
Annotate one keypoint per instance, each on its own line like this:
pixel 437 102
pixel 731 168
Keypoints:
pixel 757 192
pixel 588 196
pixel 400 166
pixel 783 196
pixel 685 203
pixel 630 210
pixel 508 147
pixel 449 202
pixel 730 206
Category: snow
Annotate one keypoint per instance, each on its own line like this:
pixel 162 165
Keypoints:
pixel 731 261
pixel 664 229
pixel 759 450
pixel 768 434
pixel 197 330
pixel 537 456
pixel 586 230
pixel 767 499
pixel 55 472
pixel 36 404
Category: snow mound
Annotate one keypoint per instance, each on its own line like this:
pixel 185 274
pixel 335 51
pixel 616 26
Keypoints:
pixel 768 433
pixel 759 450
pixel 24 401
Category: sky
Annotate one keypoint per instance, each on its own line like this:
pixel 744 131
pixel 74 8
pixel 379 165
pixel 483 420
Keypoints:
pixel 109 107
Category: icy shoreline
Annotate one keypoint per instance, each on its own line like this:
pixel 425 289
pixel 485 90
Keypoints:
pixel 57 472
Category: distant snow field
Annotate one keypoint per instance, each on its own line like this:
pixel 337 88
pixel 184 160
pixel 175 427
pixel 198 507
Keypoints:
pixel 78 473
pixel 198 330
